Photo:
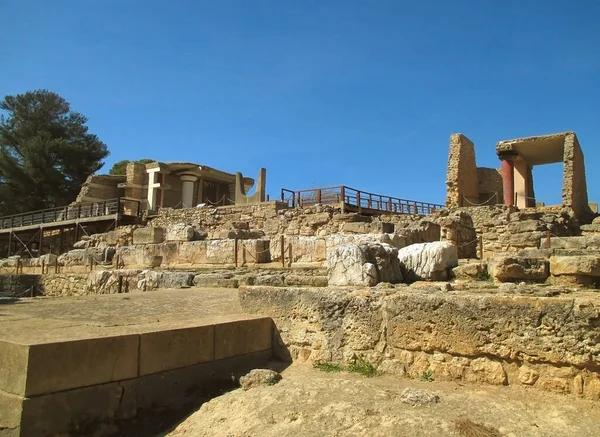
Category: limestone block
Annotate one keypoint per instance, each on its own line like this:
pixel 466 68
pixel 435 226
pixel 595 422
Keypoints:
pixel 517 268
pixel 526 226
pixel 220 252
pixel 242 337
pixel 148 235
pixel 575 265
pixel 152 279
pixel 61 366
pixel 225 280
pixel 366 263
pixel 471 271
pixel 179 232
pixel 176 348
pixel 192 252
pixel 142 255
pixel 429 261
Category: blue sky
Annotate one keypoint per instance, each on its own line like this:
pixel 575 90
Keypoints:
pixel 360 93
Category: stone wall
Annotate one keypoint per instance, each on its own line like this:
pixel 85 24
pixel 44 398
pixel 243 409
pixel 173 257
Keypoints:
pixel 574 193
pixel 19 285
pixel 506 230
pixel 490 186
pixel 461 176
pixel 548 343
pixel 100 187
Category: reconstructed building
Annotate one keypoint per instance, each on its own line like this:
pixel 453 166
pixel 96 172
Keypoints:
pixel 512 184
pixel 167 185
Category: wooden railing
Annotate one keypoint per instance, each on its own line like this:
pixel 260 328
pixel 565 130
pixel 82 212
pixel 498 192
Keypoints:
pixel 72 212
pixel 361 200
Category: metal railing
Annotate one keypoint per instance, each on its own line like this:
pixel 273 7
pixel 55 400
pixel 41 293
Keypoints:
pixel 72 212
pixel 361 200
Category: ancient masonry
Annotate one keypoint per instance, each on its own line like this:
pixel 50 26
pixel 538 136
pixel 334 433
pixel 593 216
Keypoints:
pixel 491 289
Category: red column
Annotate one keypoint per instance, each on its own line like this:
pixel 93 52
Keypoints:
pixel 508 181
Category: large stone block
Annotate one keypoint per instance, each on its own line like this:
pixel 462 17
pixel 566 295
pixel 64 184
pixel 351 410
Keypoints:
pixel 13 362
pixel 179 232
pixel 192 252
pixel 54 367
pixel 428 261
pixel 242 337
pixel 517 268
pixel 148 235
pixel 575 265
pixel 172 349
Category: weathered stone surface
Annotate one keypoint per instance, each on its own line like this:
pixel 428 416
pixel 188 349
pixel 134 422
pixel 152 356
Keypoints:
pixel 366 263
pixel 481 337
pixel 517 268
pixel 148 235
pixel 575 265
pixel 347 265
pixel 179 232
pixel 428 261
pixel 257 377
pixel 418 397
pixel 225 280
pixel 274 280
pixel 152 279
pixel 472 271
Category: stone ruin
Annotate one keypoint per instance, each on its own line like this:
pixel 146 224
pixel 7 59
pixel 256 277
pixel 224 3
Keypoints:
pixel 499 293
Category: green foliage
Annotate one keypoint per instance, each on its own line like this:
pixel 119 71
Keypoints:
pixel 363 367
pixel 328 367
pixel 120 167
pixel 46 152
pixel 427 376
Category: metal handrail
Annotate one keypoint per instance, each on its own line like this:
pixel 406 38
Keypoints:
pixel 360 199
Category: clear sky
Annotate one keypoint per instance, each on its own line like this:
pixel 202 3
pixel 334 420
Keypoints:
pixel 359 93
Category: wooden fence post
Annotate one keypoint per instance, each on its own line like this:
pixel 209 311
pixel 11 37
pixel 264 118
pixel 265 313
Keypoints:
pixel 548 242
pixel 56 265
pixel 481 247
pixel 120 290
pixel 43 265
pixel 282 244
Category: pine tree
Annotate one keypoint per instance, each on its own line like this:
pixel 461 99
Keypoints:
pixel 46 152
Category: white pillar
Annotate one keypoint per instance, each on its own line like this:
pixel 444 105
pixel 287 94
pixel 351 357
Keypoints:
pixel 187 190
pixel 152 189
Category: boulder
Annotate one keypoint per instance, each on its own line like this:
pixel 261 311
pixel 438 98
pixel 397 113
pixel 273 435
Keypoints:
pixel 428 261
pixel 366 263
pixel 180 232
pixel 258 377
pixel 518 268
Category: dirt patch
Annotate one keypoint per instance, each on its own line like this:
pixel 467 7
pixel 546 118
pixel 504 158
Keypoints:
pixel 309 402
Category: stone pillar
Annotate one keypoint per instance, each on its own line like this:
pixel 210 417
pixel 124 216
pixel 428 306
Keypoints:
pixel 508 179
pixel 152 190
pixel 187 190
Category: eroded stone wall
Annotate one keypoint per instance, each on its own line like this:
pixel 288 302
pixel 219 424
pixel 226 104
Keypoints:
pixel 461 176
pixel 490 186
pixel 100 187
pixel 549 343
pixel 574 192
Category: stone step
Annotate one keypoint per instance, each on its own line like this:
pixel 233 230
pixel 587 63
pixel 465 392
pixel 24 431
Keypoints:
pixel 316 277
pixel 547 253
pixel 582 242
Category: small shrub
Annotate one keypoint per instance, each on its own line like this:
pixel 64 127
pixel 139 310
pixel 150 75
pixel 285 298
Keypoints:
pixel 272 381
pixel 363 367
pixel 328 367
pixel 427 376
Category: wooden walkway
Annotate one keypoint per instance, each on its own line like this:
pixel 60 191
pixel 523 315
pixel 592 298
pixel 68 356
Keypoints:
pixel 352 200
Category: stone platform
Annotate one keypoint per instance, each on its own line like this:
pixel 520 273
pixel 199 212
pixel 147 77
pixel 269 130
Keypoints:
pixel 75 363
